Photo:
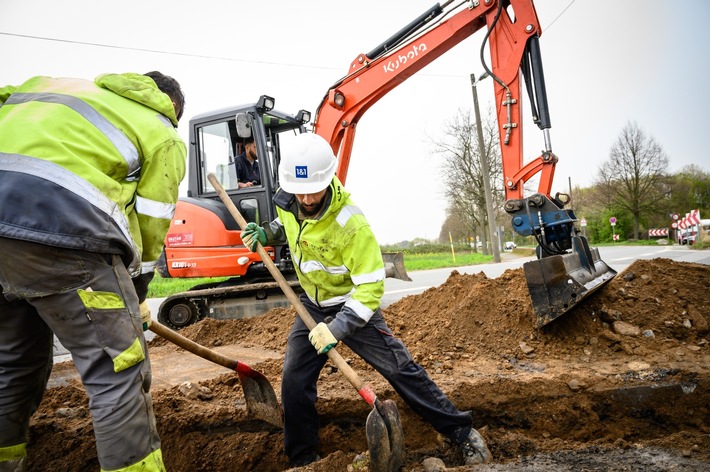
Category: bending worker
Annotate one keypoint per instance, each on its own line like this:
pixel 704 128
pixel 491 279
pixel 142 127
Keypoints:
pixel 340 268
pixel 89 175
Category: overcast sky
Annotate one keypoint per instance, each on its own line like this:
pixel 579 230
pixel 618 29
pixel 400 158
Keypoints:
pixel 607 62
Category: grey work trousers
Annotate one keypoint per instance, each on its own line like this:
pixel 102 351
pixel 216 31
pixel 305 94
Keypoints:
pixel 41 286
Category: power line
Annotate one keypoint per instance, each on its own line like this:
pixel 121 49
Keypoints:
pixel 558 16
pixel 205 56
pixel 156 51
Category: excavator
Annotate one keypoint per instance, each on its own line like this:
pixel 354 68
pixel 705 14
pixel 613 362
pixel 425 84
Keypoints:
pixel 203 239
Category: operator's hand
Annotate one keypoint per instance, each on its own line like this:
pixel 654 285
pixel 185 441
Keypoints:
pixel 145 315
pixel 322 339
pixel 252 234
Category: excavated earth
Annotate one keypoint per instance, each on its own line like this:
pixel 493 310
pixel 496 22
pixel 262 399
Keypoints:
pixel 621 382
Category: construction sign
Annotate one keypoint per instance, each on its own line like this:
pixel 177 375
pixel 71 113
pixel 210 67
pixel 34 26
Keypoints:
pixel 658 232
pixel 690 219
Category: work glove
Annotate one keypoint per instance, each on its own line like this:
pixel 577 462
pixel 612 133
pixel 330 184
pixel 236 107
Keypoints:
pixel 322 339
pixel 253 234
pixel 145 315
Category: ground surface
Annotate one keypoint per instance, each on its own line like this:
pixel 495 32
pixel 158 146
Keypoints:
pixel 621 382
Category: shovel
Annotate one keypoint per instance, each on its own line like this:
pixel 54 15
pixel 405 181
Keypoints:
pixel 385 437
pixel 258 392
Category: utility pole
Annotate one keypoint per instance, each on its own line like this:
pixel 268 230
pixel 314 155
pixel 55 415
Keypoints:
pixel 492 226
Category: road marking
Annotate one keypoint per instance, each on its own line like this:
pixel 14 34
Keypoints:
pixel 407 290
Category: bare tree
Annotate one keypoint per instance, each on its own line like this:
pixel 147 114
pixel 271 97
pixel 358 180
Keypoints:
pixel 634 172
pixel 462 173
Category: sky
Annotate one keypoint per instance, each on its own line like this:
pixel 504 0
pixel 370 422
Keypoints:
pixel 606 63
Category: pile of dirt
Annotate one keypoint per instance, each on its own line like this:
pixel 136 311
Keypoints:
pixel 621 382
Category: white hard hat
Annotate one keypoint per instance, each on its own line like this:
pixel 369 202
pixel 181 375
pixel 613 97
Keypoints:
pixel 307 164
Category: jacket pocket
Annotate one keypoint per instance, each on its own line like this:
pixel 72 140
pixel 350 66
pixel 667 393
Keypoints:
pixel 112 321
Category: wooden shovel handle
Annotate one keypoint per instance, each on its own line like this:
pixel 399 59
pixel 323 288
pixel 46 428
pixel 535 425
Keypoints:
pixel 334 356
pixel 199 350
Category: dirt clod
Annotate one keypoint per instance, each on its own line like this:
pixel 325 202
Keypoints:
pixel 621 382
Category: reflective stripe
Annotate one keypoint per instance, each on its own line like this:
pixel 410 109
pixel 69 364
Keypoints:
pixel 101 300
pixel 148 267
pixel 339 300
pixel 311 266
pixel 375 276
pixel 154 208
pixel 360 310
pixel 165 120
pixel 50 171
pixel 13 452
pixel 130 357
pixel 153 462
pixel 346 213
pixel 123 145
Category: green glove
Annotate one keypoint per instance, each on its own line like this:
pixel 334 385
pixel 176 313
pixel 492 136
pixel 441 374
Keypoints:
pixel 252 234
pixel 321 338
pixel 145 315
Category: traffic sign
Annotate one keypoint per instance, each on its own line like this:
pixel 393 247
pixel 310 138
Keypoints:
pixel 676 216
pixel 616 237
pixel 612 220
pixel 583 222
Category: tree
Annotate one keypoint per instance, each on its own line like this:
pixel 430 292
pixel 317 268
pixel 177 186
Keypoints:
pixel 462 173
pixel 634 173
pixel 689 189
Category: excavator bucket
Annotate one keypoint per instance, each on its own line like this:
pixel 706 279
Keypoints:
pixel 557 283
pixel 394 266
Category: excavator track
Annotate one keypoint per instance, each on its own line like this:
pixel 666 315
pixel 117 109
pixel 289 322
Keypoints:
pixel 223 302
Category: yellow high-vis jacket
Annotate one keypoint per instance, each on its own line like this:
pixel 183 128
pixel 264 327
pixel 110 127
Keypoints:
pixel 337 258
pixel 90 165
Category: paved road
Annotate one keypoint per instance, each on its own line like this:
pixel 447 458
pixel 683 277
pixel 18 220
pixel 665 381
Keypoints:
pixel 616 257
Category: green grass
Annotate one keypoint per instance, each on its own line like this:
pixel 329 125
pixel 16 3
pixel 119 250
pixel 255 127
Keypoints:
pixel 160 287
pixel 439 260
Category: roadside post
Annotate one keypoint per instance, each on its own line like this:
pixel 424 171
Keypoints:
pixel 451 241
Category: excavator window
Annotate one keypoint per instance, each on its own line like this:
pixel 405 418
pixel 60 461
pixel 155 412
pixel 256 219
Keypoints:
pixel 217 156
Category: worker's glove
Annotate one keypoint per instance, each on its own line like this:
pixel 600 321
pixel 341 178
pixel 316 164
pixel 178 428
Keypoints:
pixel 321 338
pixel 253 234
pixel 145 315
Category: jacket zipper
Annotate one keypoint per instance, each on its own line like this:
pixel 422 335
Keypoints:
pixel 300 259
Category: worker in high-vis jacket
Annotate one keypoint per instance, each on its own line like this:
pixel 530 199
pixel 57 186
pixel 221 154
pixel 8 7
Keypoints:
pixel 89 176
pixel 340 268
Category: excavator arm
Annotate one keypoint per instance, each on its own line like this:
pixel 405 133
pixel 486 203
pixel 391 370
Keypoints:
pixel 567 269
pixel 373 75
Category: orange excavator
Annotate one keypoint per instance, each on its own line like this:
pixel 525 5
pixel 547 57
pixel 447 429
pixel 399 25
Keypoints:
pixel 203 240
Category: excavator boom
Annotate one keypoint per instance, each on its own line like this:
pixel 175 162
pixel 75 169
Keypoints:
pixel 567 270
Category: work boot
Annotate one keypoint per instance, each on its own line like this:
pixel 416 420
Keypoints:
pixel 304 460
pixel 475 450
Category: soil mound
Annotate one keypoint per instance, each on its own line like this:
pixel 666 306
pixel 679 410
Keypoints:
pixel 620 379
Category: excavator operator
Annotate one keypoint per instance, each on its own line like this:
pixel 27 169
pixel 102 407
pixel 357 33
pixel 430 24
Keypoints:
pixel 247 164
pixel 340 267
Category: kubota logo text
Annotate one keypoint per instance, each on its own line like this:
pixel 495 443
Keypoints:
pixel 401 59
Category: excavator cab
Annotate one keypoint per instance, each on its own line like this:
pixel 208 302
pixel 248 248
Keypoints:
pixel 204 240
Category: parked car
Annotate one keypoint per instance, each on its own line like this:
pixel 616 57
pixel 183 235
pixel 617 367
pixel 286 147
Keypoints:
pixel 510 245
pixel 688 240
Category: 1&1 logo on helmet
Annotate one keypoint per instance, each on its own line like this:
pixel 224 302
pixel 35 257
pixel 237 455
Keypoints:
pixel 301 172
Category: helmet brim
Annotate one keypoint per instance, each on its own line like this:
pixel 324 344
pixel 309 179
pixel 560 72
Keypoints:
pixel 304 188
